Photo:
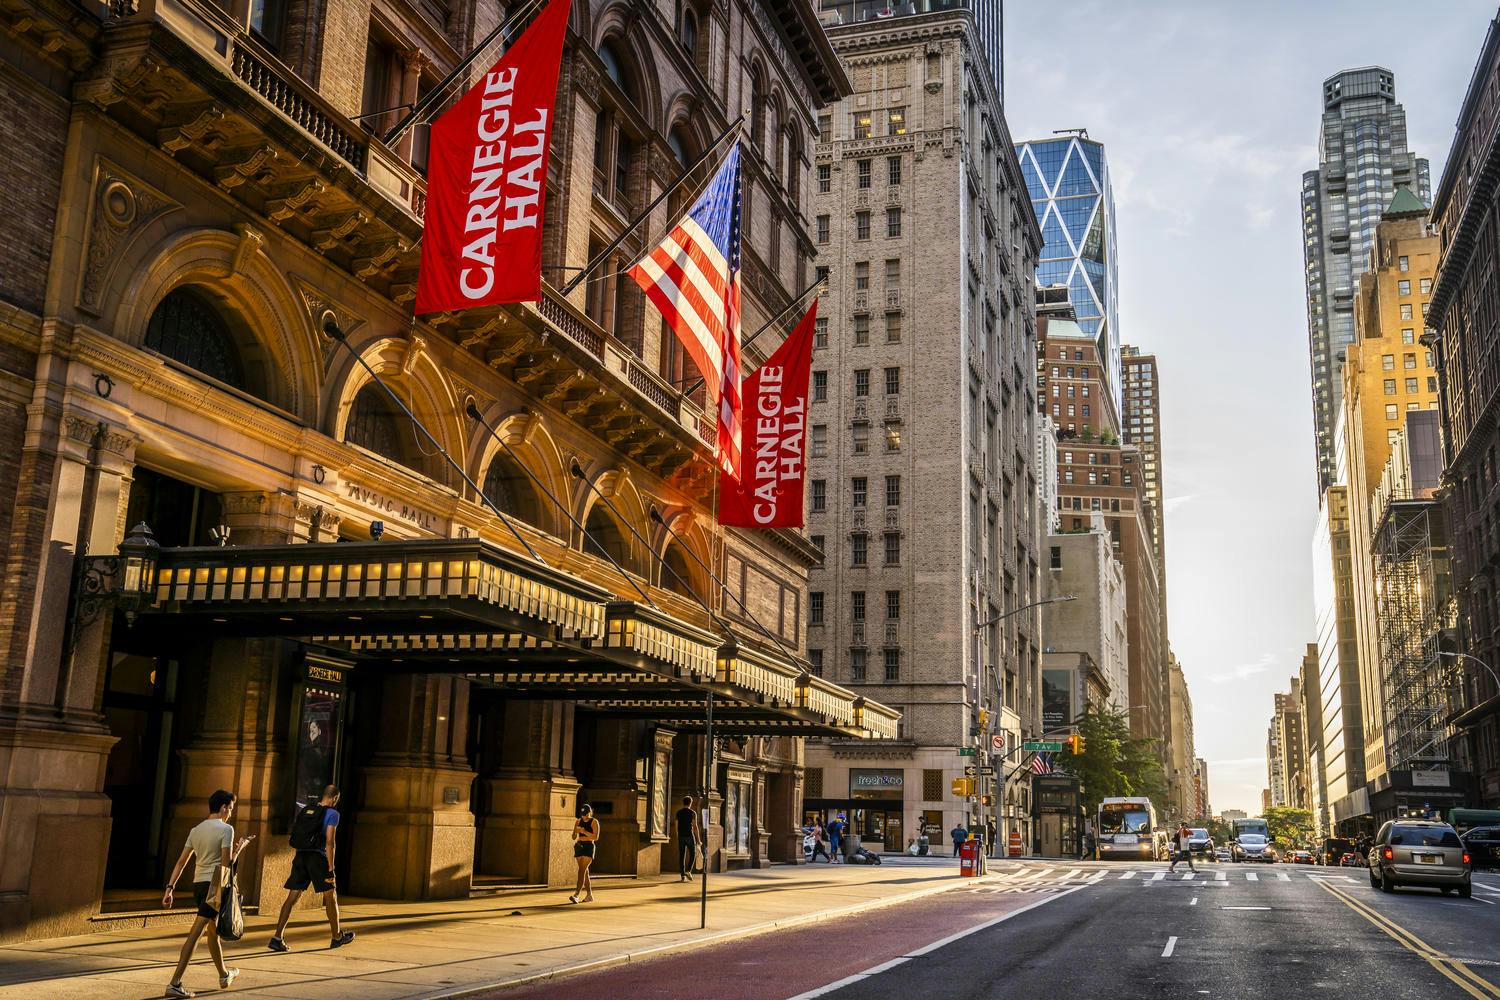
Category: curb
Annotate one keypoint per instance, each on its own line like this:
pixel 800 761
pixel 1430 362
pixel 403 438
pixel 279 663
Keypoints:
pixel 714 938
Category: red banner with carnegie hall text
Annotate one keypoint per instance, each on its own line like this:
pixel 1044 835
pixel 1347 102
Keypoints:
pixel 773 441
pixel 487 178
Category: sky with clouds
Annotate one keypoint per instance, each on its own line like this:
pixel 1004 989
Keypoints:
pixel 1209 114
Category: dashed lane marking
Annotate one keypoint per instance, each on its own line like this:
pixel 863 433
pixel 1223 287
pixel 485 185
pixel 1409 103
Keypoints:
pixel 1194 902
pixel 1283 876
pixel 1171 947
pixel 1251 877
pixel 1127 874
pixel 1221 876
pixel 1158 876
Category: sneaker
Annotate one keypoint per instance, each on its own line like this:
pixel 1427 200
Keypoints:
pixel 177 990
pixel 277 944
pixel 342 940
pixel 228 977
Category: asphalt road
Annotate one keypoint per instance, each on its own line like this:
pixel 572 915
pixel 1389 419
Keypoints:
pixel 1116 930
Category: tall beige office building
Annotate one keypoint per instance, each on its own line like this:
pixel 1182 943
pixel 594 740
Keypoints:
pixel 922 453
pixel 1181 785
pixel 1140 425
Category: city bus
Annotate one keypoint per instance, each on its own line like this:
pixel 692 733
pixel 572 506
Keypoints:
pixel 1127 828
pixel 1252 825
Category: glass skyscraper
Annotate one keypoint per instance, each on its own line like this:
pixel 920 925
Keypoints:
pixel 1362 159
pixel 1068 177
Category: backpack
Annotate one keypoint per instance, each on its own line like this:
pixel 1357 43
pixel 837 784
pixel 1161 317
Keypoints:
pixel 307 828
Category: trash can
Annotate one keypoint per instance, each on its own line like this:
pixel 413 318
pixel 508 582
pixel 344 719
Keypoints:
pixel 968 858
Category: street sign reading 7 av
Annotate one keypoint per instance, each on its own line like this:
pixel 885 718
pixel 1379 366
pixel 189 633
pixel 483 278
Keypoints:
pixel 1051 746
pixel 966 751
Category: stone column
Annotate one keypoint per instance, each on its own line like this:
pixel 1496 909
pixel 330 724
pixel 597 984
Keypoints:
pixel 532 795
pixel 687 778
pixel 71 491
pixel 620 791
pixel 413 827
pixel 412 64
pixel 237 745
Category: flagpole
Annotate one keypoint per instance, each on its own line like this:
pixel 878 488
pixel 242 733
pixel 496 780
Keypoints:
pixel 437 93
pixel 806 293
pixel 630 226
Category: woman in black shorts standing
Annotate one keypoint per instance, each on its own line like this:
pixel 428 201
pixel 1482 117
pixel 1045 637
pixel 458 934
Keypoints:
pixel 585 834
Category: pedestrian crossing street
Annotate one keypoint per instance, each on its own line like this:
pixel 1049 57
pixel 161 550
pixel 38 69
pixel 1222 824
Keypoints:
pixel 1043 879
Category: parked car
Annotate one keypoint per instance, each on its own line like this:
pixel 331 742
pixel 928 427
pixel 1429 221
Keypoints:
pixel 1410 852
pixel 1200 842
pixel 1301 857
pixel 1221 854
pixel 1253 847
pixel 1483 844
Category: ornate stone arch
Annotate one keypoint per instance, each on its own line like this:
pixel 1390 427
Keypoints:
pixel 690 535
pixel 263 311
pixel 404 364
pixel 616 485
pixel 616 27
pixel 535 450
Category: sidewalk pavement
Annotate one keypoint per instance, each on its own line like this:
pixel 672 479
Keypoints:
pixel 454 948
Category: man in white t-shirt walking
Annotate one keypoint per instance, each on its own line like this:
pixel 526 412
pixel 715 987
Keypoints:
pixel 212 844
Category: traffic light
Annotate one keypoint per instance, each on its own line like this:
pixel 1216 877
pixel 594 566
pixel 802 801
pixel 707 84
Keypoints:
pixel 1072 744
pixel 986 800
pixel 963 787
pixel 984 720
pixel 1078 744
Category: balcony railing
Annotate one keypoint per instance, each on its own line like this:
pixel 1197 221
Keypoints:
pixel 296 102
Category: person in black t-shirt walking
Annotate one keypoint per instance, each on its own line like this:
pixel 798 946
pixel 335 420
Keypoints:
pixel 313 837
pixel 687 839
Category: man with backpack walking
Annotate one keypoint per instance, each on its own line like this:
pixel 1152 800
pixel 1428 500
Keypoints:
pixel 312 866
pixel 1182 842
pixel 211 843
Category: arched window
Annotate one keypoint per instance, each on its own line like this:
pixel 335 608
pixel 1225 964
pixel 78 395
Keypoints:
pixel 675 574
pixel 510 488
pixel 687 31
pixel 189 328
pixel 757 107
pixel 375 424
pixel 614 146
pixel 605 539
pixel 793 172
pixel 772 145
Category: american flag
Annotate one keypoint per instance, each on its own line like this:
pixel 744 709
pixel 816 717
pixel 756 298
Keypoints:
pixel 1040 764
pixel 693 277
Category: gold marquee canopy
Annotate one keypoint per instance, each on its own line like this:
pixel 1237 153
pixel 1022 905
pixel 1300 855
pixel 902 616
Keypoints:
pixel 468 607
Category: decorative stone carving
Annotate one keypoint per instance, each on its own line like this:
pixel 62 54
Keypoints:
pixel 380 259
pixel 120 208
pixel 416 345
pixel 319 309
pixel 327 239
pixel 251 240
pixel 200 130
pixel 296 199
pixel 251 165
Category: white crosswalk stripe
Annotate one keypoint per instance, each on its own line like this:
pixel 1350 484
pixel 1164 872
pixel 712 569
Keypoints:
pixel 1040 880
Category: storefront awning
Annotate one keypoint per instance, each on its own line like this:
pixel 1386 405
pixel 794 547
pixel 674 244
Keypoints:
pixel 467 607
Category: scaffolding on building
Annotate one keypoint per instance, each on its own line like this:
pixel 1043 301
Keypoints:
pixel 1416 615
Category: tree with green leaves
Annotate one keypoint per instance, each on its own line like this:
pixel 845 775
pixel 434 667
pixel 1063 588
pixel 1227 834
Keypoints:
pixel 1290 828
pixel 1113 762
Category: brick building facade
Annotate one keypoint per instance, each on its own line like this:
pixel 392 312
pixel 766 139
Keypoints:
pixel 923 421
pixel 194 203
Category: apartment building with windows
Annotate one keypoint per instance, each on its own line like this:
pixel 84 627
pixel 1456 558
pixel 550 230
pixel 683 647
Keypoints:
pixel 923 450
pixel 1097 473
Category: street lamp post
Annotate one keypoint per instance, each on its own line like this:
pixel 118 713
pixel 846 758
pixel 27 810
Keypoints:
pixel 979 627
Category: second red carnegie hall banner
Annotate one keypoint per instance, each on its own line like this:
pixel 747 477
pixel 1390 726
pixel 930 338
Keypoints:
pixel 487 178
pixel 773 446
